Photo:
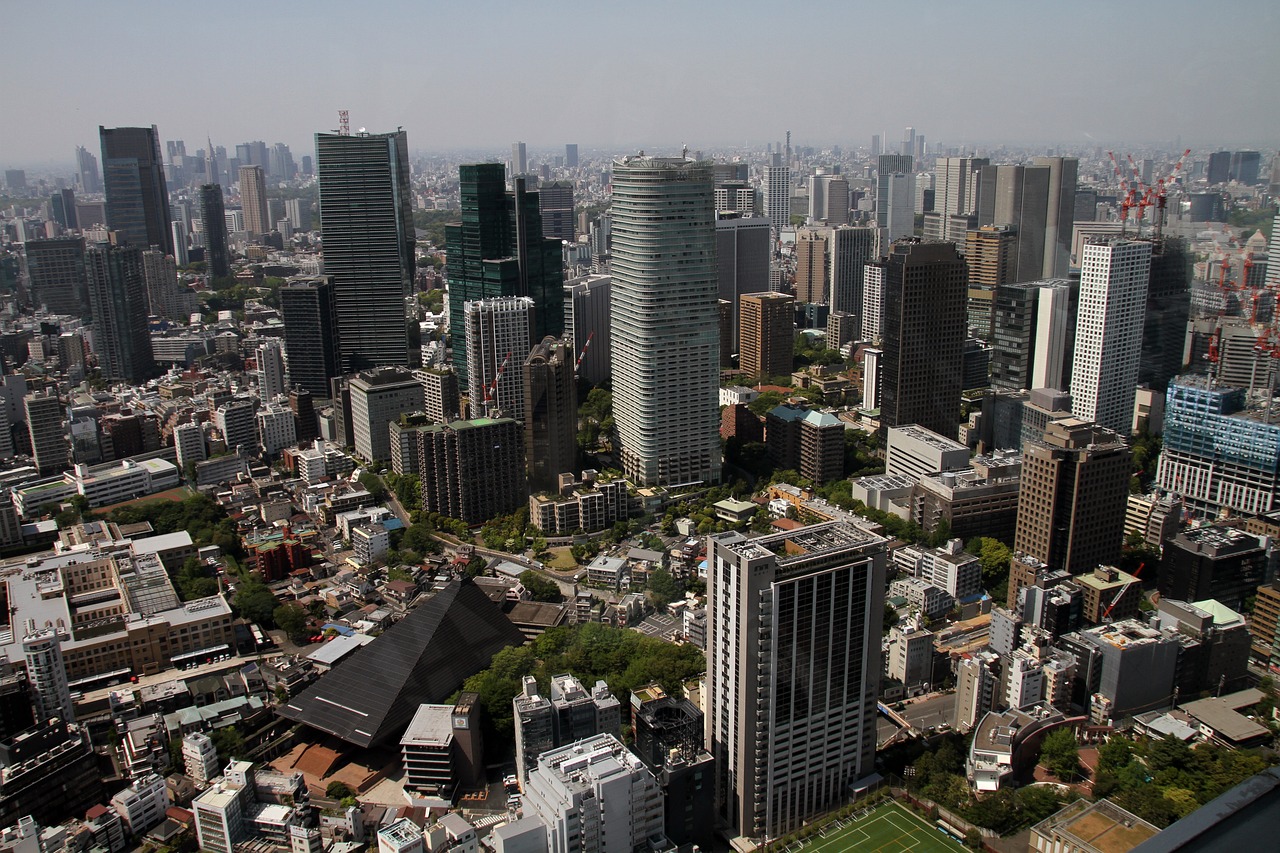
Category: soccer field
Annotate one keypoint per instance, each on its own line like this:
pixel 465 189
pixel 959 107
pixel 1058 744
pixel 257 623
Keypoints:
pixel 889 828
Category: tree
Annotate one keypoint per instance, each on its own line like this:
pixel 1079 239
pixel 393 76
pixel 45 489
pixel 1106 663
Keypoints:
pixel 663 588
pixel 1060 752
pixel 228 742
pixel 373 485
pixel 1114 754
pixel 291 619
pixel 539 587
pixel 890 618
pixel 255 602
pixel 338 791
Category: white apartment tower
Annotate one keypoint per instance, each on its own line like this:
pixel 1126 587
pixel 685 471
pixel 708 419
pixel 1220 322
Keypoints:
pixel 664 324
pixel 188 442
pixel 793 671
pixel 497 336
pixel 271 378
pixel 777 194
pixel 1113 291
pixel 42 651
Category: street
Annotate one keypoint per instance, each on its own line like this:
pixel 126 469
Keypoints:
pixel 930 712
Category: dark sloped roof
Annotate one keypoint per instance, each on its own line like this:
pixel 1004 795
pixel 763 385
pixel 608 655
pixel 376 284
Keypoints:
pixel 424 658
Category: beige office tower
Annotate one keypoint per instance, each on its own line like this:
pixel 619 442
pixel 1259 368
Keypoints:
pixel 990 252
pixel 793 670
pixel 811 265
pixel 253 199
pixel 767 336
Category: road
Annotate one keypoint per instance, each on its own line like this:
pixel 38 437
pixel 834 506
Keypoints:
pixel 930 712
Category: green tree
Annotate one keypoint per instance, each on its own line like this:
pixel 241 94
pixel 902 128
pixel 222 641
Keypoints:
pixel 255 602
pixel 1060 752
pixel 663 588
pixel 338 791
pixel 373 485
pixel 541 588
pixel 291 619
pixel 228 742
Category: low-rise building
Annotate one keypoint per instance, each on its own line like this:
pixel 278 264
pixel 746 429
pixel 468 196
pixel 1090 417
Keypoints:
pixel 1085 827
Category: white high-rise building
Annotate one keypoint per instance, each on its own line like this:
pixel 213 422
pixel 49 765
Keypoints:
pixel 276 429
pixel 777 194
pixel 1114 274
pixel 873 301
pixel 595 796
pixel 497 337
pixel 271 378
pixel 793 671
pixel 42 650
pixel 188 442
pixel 664 324
pixel 899 217
pixel 519 159
pixel 200 757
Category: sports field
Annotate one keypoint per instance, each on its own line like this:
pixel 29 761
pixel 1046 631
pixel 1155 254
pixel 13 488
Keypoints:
pixel 889 828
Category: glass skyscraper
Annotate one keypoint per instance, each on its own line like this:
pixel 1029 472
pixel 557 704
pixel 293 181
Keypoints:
pixel 367 223
pixel 665 323
pixel 137 197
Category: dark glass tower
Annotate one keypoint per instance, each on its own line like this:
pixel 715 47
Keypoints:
pixel 499 250
pixel 214 216
pixel 133 174
pixel 925 288
pixel 56 270
pixel 118 296
pixel 1168 308
pixel 310 333
pixel 367 222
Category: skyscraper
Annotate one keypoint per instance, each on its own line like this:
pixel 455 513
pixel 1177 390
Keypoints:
pixel 586 318
pixel 1164 324
pixel 498 250
pixel 850 249
pixel 519 159
pixel 767 335
pixel 497 345
pixel 48 439
pixel 924 333
pixel 955 191
pixel 777 194
pixel 271 378
pixel 118 300
pixel 62 205
pixel 888 165
pixel 811 265
pixel 990 254
pixel 1071 503
pixel 213 216
pixel 793 669
pixel 1038 201
pixel 742 255
pixel 310 333
pixel 1034 331
pixel 555 204
pixel 87 171
pixel 137 197
pixel 253 198
pixel 1108 347
pixel 664 328
pixel 367 223
pixel 571 155
pixel 56 271
pixel 550 413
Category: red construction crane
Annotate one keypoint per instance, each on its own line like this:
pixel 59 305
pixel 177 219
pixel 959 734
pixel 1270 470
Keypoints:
pixel 1107 613
pixel 1161 192
pixel 583 354
pixel 492 387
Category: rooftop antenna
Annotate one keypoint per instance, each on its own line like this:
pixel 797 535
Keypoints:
pixel 344 123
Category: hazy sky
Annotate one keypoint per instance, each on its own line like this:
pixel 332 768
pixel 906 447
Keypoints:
pixel 478 74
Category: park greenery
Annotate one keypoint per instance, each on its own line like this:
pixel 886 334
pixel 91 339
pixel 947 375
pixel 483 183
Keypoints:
pixel 595 415
pixel 624 659
pixel 539 587
pixel 199 515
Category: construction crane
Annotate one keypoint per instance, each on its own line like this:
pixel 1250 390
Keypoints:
pixel 1107 613
pixel 583 354
pixel 492 387
pixel 1161 193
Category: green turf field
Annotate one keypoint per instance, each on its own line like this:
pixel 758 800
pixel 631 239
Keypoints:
pixel 890 828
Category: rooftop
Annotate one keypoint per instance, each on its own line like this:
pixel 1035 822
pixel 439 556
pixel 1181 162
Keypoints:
pixel 797 546
pixel 1101 827
pixel 929 437
pixel 432 726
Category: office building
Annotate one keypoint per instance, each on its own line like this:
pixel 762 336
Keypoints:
pixel 298 210
pixel 142 805
pixel 1038 201
pixel 1033 335
pixel 1108 342
pixel 924 334
pixel 379 397
pixel 555 204
pixel 236 423
pixel 586 318
pixel 118 301
pixel 473 470
pixel 873 275
pixel 829 199
pixel 499 250
pixel 50 771
pixel 811 265
pixel 1071 501
pixel 137 197
pixel 253 200
pixel 981 500
pixel 497 332
pixel 519 159
pixel 550 413
pixel 742 263
pixel 277 429
pixel 849 249
pixel 367 223
pixel 1264 625
pixel 440 398
pixel 310 333
pixel 777 194
pixel 188 444
pixel 767 334
pixel 48 439
pixel 806 441
pixel 442 750
pixel 87 171
pixel 664 329
pixel 1168 307
pixel 56 270
pixel 1244 167
pixel 1124 668
pixel 955 192
pixel 595 796
pixel 989 252
pixel 271 377
pixel 668 739
pixel 534 723
pixel 915 451
pixel 571 155
pixel 842 329
pixel 1222 563
pixel 783 752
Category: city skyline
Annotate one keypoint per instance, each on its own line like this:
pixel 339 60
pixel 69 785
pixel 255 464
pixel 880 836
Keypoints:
pixel 1193 97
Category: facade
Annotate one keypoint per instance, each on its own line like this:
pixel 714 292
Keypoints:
pixel 555 203
pixel 1108 345
pixel 924 334
pixel 1222 563
pixel 271 378
pixel 766 334
pixel 742 261
pixel 812 270
pixel 850 249
pixel 595 796
pixel 1219 453
pixel 956 191
pixel 664 328
pixel 586 318
pixel 916 452
pixel 550 413
pixel 253 200
pixel 473 470
pixel 1071 501
pixel 777 194
pixel 57 273
pixel 48 439
pixel 499 250
pixel 1164 325
pixel 367 222
pixel 310 333
pixel 497 345
pixel 379 397
pixel 276 430
pixel 440 394
pixel 775 764
pixel 200 757
pixel 981 500
pixel 806 441
pixel 235 421
pixel 989 252
pixel 118 301
pixel 1033 335
pixel 873 276
pixel 1039 202
pixel 133 177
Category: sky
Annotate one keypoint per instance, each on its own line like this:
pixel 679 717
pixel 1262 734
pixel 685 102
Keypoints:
pixel 478 75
